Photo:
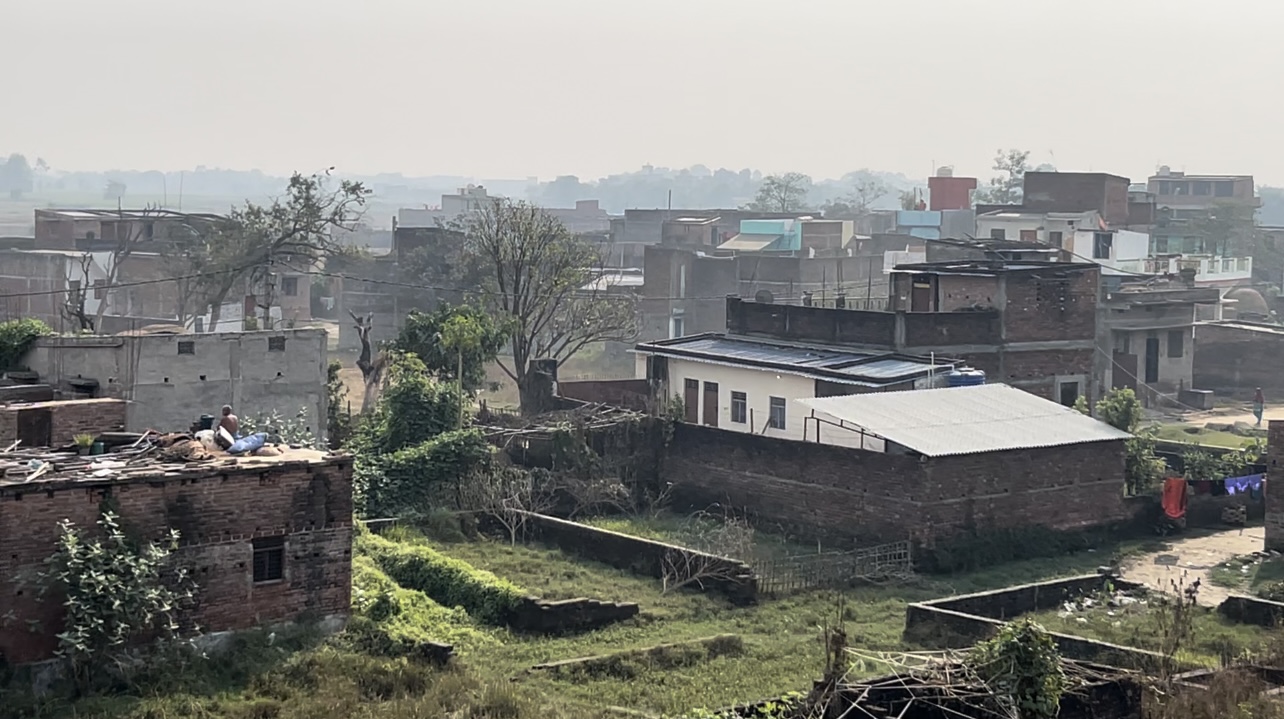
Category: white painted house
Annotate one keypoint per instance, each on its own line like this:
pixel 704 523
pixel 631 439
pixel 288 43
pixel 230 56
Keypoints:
pixel 747 384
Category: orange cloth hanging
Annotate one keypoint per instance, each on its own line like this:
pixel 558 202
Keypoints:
pixel 1174 497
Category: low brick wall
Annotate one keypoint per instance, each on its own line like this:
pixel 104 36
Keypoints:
pixel 1012 602
pixel 963 620
pixel 1251 610
pixel 66 418
pixel 539 616
pixel 639 555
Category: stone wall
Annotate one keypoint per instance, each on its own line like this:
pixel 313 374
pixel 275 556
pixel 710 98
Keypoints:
pixel 219 510
pixel 639 555
pixel 826 492
pixel 67 418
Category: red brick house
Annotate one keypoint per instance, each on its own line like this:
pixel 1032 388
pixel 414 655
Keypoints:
pixel 267 539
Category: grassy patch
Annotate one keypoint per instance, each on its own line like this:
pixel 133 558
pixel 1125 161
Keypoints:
pixel 1194 434
pixel 1247 573
pixel 779 649
pixel 1140 626
pixel 675 529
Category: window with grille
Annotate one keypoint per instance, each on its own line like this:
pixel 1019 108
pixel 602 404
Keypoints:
pixel 187 348
pixel 276 344
pixel 269 559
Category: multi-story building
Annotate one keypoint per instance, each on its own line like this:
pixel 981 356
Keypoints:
pixel 1201 214
pixel 1030 324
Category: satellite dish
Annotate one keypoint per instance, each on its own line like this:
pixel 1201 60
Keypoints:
pixel 763 297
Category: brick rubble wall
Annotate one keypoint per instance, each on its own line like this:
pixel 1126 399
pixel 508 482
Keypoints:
pixel 217 515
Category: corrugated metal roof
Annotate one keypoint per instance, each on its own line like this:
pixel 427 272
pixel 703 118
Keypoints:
pixel 870 369
pixel 966 420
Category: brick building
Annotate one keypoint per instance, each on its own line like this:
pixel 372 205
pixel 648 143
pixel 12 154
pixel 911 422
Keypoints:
pixel 1235 357
pixel 56 423
pixel 1031 325
pixel 267 539
pixel 991 458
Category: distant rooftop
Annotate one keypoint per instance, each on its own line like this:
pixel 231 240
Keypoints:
pixel 966 420
pixel 104 214
pixel 994 267
pixel 865 368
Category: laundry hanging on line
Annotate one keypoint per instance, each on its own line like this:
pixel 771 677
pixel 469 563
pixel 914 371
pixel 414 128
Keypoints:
pixel 1243 485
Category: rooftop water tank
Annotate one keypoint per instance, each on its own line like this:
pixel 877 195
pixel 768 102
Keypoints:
pixel 965 377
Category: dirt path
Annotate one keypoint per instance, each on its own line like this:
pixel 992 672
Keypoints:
pixel 1191 557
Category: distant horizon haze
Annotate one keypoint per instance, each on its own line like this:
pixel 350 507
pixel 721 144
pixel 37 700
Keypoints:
pixel 512 90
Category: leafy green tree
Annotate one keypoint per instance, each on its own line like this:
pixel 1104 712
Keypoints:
pixel 454 342
pixel 254 242
pixel 1006 188
pixel 782 193
pixel 114 592
pixel 413 408
pixel 1121 409
pixel 538 285
pixel 17 337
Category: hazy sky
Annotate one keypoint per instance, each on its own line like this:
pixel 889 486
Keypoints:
pixel 512 88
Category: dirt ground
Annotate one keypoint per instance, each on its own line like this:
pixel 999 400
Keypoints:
pixel 1192 557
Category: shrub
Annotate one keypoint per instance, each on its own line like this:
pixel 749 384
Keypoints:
pixel 452 582
pixel 391 620
pixel 17 337
pixel 1021 663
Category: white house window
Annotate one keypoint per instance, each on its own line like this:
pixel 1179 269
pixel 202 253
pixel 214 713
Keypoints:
pixel 739 407
pixel 776 420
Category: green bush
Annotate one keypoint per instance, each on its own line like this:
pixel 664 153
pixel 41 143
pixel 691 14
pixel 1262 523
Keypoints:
pixel 454 583
pixel 390 620
pixel 17 337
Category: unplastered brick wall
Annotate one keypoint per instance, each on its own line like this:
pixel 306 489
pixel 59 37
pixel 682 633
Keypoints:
pixel 1051 305
pixel 66 418
pixel 219 511
pixel 825 492
pixel 1275 486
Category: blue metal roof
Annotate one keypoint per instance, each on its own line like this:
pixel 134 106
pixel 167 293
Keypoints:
pixel 838 364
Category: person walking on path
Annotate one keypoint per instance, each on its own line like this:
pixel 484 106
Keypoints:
pixel 1259 405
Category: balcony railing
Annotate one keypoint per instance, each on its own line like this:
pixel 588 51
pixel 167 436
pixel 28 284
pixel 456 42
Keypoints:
pixel 1207 269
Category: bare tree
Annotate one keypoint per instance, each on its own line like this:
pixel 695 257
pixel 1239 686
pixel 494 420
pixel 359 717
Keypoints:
pixel 130 234
pixel 73 307
pixel 536 277
pixel 716 540
pixel 782 193
pixel 508 495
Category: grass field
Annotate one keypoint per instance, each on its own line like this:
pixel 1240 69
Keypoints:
pixel 1183 433
pixel 1141 626
pixel 1248 574
pixel 301 676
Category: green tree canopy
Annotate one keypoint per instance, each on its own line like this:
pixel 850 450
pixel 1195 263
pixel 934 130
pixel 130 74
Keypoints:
pixel 440 338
